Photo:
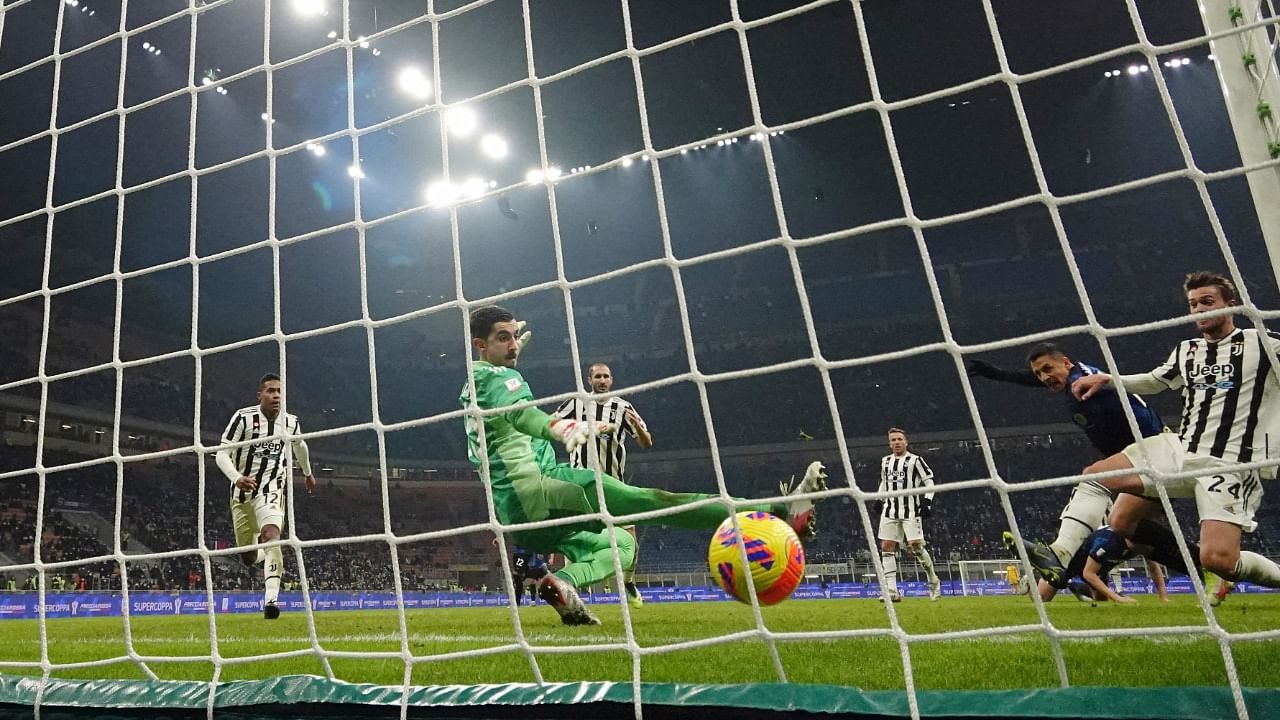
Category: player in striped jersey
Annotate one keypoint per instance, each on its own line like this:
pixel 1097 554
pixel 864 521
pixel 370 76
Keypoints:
pixel 1231 407
pixel 258 472
pixel 611 449
pixel 901 517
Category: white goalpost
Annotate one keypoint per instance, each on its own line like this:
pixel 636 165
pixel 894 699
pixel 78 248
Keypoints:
pixel 45 683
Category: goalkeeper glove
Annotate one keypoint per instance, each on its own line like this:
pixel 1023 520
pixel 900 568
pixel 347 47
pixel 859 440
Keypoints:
pixel 926 507
pixel 574 434
pixel 522 336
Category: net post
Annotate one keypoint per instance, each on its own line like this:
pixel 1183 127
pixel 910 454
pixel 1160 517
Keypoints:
pixel 1248 80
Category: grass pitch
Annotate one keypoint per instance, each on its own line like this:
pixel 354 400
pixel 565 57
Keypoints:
pixel 1005 661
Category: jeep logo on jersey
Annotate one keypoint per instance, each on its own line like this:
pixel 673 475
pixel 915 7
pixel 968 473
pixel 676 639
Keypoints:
pixel 271 448
pixel 1206 370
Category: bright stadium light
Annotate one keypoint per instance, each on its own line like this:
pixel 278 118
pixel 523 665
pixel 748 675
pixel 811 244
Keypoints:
pixel 1133 70
pixel 316 149
pixel 533 177
pixel 332 34
pixel 474 187
pixel 626 162
pixel 441 193
pixel 553 172
pixel 309 7
pixel 146 46
pixel 684 151
pixel 1144 68
pixel 494 146
pixel 355 171
pixel 413 81
pixel 206 80
pixel 462 121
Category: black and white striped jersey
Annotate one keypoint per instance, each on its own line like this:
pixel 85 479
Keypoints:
pixel 1229 395
pixel 269 460
pixel 611 449
pixel 904 472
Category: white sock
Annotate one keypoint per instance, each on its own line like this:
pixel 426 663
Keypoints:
pixel 890 562
pixel 272 571
pixel 1083 514
pixel 927 561
pixel 1257 569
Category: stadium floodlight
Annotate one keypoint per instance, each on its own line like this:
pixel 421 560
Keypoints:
pixel 376 52
pixel 533 177
pixel 355 171
pixel 474 187
pixel 154 49
pixel 363 43
pixel 316 149
pixel 462 121
pixel 267 118
pixel 684 151
pixel 493 184
pixel 146 46
pixel 494 146
pixel 222 91
pixel 414 82
pixel 626 162
pixel 309 7
pixel 441 193
pixel 553 172
pixel 645 157
pixel 1144 68
pixel 332 34
pixel 206 80
pixel 1133 70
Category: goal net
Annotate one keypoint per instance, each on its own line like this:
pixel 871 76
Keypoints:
pixel 781 227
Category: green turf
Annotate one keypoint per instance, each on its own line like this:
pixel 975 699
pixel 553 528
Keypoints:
pixel 996 662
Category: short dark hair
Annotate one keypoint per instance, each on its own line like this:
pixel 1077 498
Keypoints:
pixel 484 318
pixel 898 430
pixel 268 378
pixel 1205 278
pixel 598 364
pixel 1039 350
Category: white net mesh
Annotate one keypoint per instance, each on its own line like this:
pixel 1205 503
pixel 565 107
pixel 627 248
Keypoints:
pixel 260 227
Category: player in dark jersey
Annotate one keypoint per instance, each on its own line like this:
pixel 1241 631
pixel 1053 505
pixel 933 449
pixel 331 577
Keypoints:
pixel 1105 548
pixel 1103 420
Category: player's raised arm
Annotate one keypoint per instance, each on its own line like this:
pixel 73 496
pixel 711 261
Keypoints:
pixel 636 425
pixel 984 369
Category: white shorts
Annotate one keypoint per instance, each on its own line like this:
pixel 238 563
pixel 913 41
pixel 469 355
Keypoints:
pixel 249 516
pixel 910 531
pixel 1224 495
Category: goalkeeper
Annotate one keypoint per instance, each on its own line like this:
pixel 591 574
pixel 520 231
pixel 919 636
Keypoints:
pixel 528 485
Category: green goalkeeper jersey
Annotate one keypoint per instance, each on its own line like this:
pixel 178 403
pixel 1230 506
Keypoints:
pixel 519 449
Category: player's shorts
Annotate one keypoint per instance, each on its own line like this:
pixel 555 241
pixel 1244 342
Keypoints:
pixel 1231 496
pixel 901 531
pixel 250 515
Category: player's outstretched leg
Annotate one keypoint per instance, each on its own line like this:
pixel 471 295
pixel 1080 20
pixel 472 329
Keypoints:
pixel 1084 513
pixel 623 499
pixel 590 560
pixel 1043 560
pixel 634 599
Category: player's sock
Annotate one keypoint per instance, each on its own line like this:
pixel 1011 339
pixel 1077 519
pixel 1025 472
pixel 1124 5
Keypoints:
pixel 1257 569
pixel 926 560
pixel 272 571
pixel 890 562
pixel 1083 514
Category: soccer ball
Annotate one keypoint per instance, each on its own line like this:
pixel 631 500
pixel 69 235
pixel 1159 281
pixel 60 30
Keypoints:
pixel 775 558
